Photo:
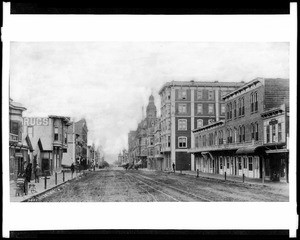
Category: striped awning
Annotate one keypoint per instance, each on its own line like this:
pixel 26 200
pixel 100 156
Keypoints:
pixel 246 150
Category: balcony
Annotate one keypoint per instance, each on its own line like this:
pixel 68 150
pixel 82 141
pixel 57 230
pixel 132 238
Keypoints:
pixel 13 138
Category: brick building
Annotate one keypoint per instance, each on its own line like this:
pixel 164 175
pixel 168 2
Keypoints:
pixel 184 107
pixel 238 144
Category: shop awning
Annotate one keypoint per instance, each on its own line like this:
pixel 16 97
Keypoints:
pixel 246 150
pixel 277 151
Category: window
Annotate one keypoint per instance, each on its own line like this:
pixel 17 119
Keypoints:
pixel 210 95
pixel 273 133
pixel 14 127
pixel 56 134
pixel 227 163
pixel 199 94
pixel 210 108
pixel 227 111
pixel 250 164
pixel 256 131
pixel 223 108
pixel 268 134
pixel 221 163
pixel 252 131
pixel 204 141
pixel 182 124
pixel 182 108
pixel 169 141
pixel 234 109
pixel 230 110
pixel 255 102
pixel 244 133
pixel 221 137
pixel 30 131
pixel 240 134
pixel 182 142
pixel 196 141
pixel 182 94
pixel 245 162
pixel 216 138
pixel 151 141
pixel 199 141
pixel 239 107
pixel 199 108
pixel 243 107
pixel 279 132
pixel 66 138
pixel 252 102
pixel 240 163
pixel 199 123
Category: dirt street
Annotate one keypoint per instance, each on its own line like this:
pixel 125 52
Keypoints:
pixel 118 185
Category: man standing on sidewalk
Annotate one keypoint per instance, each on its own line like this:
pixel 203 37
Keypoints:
pixel 37 173
pixel 173 165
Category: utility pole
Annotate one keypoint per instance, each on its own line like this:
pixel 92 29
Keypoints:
pixel 74 147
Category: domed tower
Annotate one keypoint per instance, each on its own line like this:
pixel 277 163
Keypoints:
pixel 151 108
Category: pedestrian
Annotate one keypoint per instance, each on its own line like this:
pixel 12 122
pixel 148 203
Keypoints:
pixel 173 165
pixel 72 169
pixel 37 173
pixel 28 171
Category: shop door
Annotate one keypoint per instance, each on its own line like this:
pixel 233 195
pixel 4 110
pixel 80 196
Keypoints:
pixel 45 165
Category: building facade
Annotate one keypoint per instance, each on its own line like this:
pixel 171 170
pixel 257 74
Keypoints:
pixel 184 107
pixel 242 143
pixel 19 146
pixel 48 136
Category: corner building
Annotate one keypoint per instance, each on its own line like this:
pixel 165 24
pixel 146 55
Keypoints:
pixel 184 107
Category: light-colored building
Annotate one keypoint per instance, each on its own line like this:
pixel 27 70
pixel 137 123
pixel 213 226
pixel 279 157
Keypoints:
pixel 48 136
pixel 186 105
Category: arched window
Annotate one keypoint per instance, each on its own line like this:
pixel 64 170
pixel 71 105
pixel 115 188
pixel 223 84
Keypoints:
pixel 240 133
pixel 199 123
pixel 234 109
pixel 216 138
pixel 252 131
pixel 230 110
pixel 244 133
pixel 256 131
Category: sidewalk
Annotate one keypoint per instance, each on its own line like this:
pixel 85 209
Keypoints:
pixel 40 187
pixel 236 179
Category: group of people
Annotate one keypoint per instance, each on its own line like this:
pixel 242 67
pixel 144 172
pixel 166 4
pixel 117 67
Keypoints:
pixel 24 177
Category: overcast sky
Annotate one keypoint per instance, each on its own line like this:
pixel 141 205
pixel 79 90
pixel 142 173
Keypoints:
pixel 108 82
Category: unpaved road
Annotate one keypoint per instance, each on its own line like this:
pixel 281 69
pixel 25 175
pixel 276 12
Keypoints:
pixel 148 186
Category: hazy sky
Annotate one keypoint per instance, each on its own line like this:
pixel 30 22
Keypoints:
pixel 109 82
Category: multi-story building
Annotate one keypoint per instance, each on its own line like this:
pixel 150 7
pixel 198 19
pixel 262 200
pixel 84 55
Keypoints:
pixel 19 146
pixel 48 136
pixel 79 132
pixel 185 106
pixel 141 141
pixel 240 144
pixel 158 157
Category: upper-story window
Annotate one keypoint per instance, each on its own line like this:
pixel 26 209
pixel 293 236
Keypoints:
pixel 14 127
pixel 273 133
pixel 239 107
pixel 223 108
pixel 256 131
pixel 254 102
pixel 229 136
pixel 199 123
pixel 66 138
pixel 182 94
pixel 221 137
pixel 242 107
pixel 279 132
pixel 216 138
pixel 182 108
pixel 199 108
pixel 56 134
pixel 30 131
pixel 168 95
pixel 243 133
pixel 199 94
pixel 211 108
pixel 196 141
pixel 204 141
pixel 182 124
pixel 169 141
pixel 200 141
pixel 234 109
pixel 182 142
pixel 210 95
pixel 240 134
pixel 252 131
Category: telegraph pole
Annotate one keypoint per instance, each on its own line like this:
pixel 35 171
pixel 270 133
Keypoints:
pixel 74 149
